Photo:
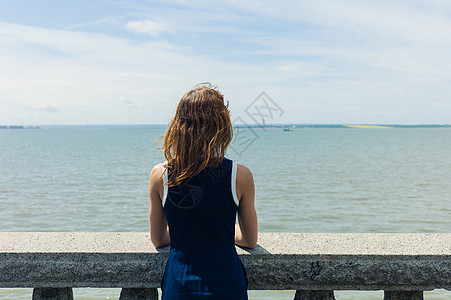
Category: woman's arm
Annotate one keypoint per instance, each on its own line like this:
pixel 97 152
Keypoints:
pixel 246 231
pixel 159 231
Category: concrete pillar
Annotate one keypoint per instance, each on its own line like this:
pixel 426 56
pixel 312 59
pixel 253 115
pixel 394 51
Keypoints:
pixel 53 294
pixel 138 294
pixel 403 295
pixel 314 295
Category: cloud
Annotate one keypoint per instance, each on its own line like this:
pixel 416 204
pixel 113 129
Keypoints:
pixel 45 107
pixel 128 103
pixel 125 100
pixel 102 21
pixel 151 28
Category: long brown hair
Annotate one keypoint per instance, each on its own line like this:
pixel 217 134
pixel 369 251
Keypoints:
pixel 198 135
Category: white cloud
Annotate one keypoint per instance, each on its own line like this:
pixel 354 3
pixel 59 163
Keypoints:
pixel 151 28
pixel 46 107
pixel 102 21
pixel 125 100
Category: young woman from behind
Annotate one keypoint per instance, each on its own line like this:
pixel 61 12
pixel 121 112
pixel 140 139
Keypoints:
pixel 195 197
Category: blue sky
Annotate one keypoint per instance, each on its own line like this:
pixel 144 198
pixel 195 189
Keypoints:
pixel 129 62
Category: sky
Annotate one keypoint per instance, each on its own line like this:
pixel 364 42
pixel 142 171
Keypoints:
pixel 317 62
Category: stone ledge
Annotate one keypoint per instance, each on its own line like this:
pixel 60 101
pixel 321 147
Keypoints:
pixel 281 261
pixel 270 243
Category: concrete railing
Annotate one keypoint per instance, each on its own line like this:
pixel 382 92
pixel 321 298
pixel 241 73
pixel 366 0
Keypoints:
pixel 313 264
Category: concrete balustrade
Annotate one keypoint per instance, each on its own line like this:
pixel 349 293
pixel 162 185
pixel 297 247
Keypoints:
pixel 313 264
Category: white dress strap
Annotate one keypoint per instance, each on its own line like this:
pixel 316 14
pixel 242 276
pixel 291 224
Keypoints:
pixel 234 168
pixel 165 179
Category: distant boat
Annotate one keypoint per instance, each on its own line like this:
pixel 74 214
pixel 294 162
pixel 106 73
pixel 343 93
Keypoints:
pixel 286 129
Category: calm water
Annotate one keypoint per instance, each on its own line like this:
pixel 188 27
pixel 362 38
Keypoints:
pixel 307 180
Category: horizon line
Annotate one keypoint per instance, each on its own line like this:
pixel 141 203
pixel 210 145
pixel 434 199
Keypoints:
pixel 105 125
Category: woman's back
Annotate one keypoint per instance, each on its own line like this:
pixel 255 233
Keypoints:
pixel 201 211
pixel 201 214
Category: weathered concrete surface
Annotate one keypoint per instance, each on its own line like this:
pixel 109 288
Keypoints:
pixel 304 261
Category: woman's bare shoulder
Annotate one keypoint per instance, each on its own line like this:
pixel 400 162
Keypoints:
pixel 243 172
pixel 157 171
pixel 244 182
pixel 156 180
pixel 159 167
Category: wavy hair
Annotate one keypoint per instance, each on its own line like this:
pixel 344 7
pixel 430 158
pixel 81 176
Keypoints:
pixel 198 135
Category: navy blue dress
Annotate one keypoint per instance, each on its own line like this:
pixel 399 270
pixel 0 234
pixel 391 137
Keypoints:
pixel 201 213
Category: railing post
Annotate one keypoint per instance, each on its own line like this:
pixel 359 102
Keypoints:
pixel 53 294
pixel 314 295
pixel 138 294
pixel 403 295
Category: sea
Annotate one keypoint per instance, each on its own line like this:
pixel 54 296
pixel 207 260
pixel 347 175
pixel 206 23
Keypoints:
pixel 307 179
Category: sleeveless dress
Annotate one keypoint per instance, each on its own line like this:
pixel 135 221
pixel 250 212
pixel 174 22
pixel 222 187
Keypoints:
pixel 201 213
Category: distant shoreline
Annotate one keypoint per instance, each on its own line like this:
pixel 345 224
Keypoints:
pixel 162 126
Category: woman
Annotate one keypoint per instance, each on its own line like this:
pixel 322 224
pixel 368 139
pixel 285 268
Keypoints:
pixel 195 197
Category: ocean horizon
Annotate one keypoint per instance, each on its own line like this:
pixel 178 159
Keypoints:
pixel 292 125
